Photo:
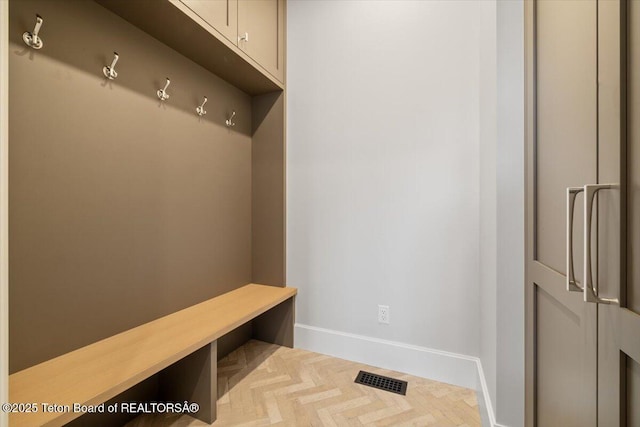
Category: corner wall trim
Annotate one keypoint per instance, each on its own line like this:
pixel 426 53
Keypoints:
pixel 444 366
pixel 4 209
pixel 484 399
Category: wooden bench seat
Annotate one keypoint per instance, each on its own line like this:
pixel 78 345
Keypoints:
pixel 100 371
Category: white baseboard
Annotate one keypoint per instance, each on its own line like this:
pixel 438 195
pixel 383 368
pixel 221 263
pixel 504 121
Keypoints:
pixel 484 399
pixel 452 368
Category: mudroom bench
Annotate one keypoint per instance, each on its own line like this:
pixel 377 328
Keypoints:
pixel 183 343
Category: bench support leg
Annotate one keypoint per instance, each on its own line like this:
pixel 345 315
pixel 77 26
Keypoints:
pixel 276 325
pixel 194 379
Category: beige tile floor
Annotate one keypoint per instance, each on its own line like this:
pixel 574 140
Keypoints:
pixel 263 384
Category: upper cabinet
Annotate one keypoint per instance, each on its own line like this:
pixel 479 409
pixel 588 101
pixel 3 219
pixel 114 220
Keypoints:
pixel 241 41
pixel 255 26
pixel 220 14
pixel 261 33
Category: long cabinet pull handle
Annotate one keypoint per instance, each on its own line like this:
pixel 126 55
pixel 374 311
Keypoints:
pixel 590 285
pixel 572 283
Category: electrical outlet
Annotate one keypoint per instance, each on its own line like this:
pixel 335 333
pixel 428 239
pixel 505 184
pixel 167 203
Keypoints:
pixel 383 314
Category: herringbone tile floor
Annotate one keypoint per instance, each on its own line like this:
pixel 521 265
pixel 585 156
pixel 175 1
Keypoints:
pixel 263 384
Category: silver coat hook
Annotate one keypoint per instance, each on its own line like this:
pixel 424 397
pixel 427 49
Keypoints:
pixel 110 70
pixel 162 93
pixel 229 121
pixel 200 110
pixel 32 39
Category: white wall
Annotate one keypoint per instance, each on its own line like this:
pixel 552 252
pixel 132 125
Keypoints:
pixel 405 186
pixel 488 196
pixel 510 214
pixel 383 167
pixel 502 209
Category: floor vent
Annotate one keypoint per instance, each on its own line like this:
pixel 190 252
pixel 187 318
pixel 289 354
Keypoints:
pixel 383 383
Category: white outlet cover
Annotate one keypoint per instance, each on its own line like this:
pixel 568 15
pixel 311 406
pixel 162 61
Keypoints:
pixel 383 314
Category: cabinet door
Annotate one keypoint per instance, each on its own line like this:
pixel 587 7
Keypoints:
pixel 220 14
pixel 261 33
pixel 619 273
pixel 585 94
pixel 563 154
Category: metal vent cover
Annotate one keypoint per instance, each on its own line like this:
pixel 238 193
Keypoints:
pixel 382 382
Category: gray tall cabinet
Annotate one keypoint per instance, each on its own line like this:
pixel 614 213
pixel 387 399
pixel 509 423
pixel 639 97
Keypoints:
pixel 583 213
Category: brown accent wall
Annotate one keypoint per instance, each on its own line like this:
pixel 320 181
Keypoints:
pixel 269 189
pixel 122 208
